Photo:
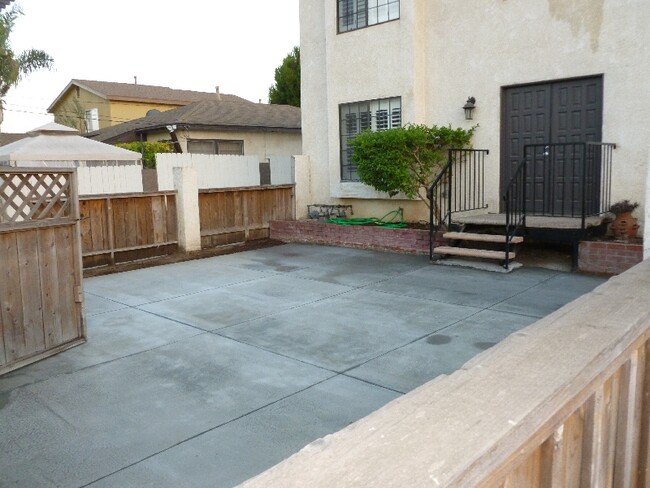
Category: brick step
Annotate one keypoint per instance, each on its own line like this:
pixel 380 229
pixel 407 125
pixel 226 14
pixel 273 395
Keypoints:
pixel 473 253
pixel 469 236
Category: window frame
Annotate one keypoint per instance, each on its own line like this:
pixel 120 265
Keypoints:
pixel 362 14
pixel 215 145
pixel 91 119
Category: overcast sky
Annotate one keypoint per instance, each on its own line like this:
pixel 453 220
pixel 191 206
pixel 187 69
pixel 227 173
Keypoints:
pixel 189 44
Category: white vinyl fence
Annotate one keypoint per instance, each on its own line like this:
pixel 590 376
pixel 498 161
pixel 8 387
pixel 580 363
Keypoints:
pixel 100 180
pixel 222 171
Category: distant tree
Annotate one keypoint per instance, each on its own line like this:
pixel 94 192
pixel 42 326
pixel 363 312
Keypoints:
pixel 286 90
pixel 14 66
pixel 148 150
pixel 73 115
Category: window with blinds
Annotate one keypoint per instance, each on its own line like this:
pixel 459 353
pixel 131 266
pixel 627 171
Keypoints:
pixel 382 114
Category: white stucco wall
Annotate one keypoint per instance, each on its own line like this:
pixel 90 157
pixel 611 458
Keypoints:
pixel 440 52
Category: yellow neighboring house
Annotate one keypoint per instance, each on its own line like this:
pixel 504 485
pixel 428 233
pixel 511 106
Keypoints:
pixel 92 105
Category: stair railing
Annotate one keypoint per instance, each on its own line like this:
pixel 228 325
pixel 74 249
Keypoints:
pixel 459 187
pixel 514 202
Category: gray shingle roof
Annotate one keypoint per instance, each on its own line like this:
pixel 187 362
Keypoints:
pixel 216 114
pixel 144 93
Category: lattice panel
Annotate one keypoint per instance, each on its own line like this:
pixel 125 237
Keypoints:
pixel 29 196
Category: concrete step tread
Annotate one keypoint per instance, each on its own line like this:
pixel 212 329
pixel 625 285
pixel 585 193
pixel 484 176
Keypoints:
pixel 470 236
pixel 473 253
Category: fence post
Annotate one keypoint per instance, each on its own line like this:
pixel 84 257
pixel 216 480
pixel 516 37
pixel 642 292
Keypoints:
pixel 187 209
pixel 302 190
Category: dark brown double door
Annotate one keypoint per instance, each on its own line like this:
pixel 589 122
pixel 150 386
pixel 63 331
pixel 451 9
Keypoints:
pixel 567 111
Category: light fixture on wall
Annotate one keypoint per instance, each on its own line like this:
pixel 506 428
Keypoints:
pixel 469 107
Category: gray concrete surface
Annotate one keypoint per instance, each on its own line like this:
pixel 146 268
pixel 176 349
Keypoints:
pixel 207 372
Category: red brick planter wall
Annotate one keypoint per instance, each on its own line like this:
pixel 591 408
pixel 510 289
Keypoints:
pixel 608 257
pixel 411 241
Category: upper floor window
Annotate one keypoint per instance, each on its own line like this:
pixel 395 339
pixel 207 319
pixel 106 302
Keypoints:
pixel 382 114
pixel 355 14
pixel 92 120
pixel 215 146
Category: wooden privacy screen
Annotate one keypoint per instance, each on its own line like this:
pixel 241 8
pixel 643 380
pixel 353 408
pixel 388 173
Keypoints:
pixel 123 228
pixel 41 295
pixel 234 215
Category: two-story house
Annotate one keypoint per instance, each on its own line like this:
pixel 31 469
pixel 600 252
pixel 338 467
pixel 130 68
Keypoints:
pixel 546 72
pixel 92 105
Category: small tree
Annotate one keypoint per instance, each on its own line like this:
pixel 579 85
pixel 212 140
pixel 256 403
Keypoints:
pixel 286 90
pixel 148 150
pixel 407 159
pixel 14 66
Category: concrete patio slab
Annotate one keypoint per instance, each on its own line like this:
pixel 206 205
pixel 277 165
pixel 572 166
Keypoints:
pixel 347 330
pixel 204 373
pixel 226 456
pixel 443 352
pixel 218 308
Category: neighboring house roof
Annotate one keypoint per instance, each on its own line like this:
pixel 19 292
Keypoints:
pixel 9 137
pixel 210 114
pixel 131 92
pixel 4 3
pixel 56 142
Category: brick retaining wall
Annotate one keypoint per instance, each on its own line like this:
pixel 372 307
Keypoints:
pixel 608 257
pixel 411 241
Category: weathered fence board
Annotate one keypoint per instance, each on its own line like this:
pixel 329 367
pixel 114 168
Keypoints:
pixel 236 215
pixel 120 228
pixel 41 302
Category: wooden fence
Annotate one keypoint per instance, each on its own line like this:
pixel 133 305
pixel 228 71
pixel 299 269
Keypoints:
pixel 123 228
pixel 41 296
pixel 564 403
pixel 242 214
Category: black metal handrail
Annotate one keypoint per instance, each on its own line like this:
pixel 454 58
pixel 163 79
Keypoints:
pixel 567 179
pixel 514 202
pixel 459 187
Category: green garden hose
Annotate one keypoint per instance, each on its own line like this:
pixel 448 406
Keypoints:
pixel 389 220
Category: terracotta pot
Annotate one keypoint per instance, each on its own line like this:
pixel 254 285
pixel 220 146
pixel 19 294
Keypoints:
pixel 625 226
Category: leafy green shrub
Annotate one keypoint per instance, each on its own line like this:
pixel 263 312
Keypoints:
pixel 148 150
pixel 406 159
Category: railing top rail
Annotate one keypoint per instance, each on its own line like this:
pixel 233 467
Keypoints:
pixel 555 144
pixel 486 151
pixel 36 171
pixel 596 143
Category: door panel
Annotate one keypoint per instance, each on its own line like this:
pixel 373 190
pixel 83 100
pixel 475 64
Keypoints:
pixel 556 112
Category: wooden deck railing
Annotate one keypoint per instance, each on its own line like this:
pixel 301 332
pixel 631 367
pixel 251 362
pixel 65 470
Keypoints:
pixel 562 403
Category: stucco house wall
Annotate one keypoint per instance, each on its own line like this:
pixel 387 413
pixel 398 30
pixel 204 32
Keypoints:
pixel 439 52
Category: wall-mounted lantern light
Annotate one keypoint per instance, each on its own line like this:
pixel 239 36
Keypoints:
pixel 469 107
